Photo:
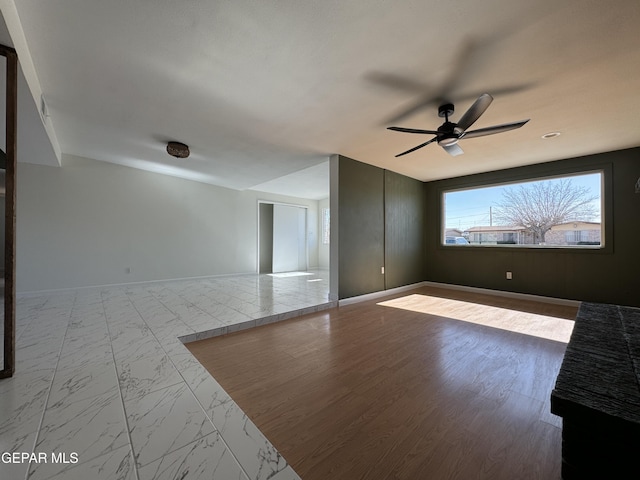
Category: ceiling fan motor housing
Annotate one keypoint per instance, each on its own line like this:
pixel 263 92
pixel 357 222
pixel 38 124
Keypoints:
pixel 447 134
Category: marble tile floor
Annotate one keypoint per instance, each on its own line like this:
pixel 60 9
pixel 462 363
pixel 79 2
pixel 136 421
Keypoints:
pixel 105 389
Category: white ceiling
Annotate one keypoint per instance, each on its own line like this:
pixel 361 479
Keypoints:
pixel 261 89
pixel 33 144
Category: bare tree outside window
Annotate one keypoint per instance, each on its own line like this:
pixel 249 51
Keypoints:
pixel 541 205
pixel 562 211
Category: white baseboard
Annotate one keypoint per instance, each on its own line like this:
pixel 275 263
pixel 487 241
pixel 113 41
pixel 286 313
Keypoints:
pixel 501 293
pixel 485 291
pixel 382 293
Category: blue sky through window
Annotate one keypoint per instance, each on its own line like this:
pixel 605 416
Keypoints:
pixel 464 209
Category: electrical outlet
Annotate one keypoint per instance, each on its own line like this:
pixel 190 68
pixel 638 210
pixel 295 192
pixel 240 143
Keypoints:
pixel 509 276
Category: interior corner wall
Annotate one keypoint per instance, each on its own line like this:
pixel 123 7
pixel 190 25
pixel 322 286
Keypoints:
pixel 361 227
pixel 334 221
pixel 404 206
pixel 323 248
pixel 94 223
pixel 606 276
pixel 380 224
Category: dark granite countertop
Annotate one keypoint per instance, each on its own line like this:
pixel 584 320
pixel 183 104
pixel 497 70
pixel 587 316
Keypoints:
pixel 599 377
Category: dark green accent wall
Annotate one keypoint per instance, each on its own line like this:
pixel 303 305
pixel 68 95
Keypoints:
pixel 392 220
pixel 361 228
pixel 404 207
pixel 610 275
pixel 381 223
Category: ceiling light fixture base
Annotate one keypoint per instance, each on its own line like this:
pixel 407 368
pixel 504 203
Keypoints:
pixel 178 150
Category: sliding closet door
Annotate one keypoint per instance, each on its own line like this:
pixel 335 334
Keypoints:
pixel 289 238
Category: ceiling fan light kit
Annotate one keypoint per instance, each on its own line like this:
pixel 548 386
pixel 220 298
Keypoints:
pixel 178 150
pixel 449 133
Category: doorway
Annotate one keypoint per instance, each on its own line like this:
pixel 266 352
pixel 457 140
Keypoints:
pixel 282 243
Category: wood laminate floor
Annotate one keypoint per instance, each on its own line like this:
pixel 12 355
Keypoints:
pixel 386 389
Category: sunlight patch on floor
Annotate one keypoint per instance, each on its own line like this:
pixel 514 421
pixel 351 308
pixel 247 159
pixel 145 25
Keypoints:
pixel 552 328
pixel 289 274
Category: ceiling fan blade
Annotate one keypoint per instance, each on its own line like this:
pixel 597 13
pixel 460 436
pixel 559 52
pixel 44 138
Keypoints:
pixel 474 112
pixel 419 146
pixel 412 130
pixel 460 71
pixel 419 104
pixel 453 150
pixel 398 82
pixel 431 95
pixel 495 91
pixel 505 127
pixel 441 97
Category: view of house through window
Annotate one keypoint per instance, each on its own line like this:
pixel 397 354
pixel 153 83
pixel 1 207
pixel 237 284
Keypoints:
pixel 551 212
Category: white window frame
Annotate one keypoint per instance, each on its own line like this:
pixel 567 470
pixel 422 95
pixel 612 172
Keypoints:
pixel 475 234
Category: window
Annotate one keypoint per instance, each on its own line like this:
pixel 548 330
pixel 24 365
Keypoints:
pixel 507 238
pixel 580 237
pixel 326 223
pixel 547 212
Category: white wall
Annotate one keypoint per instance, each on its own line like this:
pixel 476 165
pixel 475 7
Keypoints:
pixel 87 222
pixel 323 249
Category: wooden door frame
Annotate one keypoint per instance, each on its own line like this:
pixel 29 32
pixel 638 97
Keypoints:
pixel 10 211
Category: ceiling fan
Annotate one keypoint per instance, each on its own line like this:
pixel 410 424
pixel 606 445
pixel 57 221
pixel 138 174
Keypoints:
pixel 448 134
